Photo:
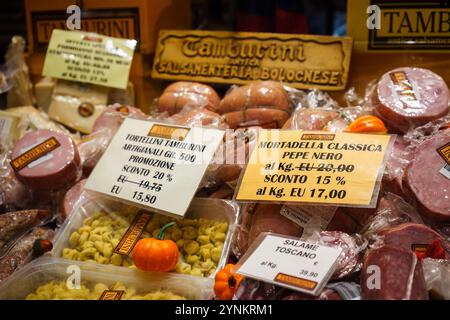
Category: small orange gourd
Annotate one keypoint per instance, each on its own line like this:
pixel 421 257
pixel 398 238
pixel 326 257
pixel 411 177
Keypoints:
pixel 156 254
pixel 370 124
pixel 226 282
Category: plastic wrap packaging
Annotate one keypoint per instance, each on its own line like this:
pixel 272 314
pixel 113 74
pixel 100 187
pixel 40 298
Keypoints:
pixel 113 116
pixel 350 259
pixel 33 119
pixel 25 249
pixel 59 279
pixel 258 218
pixel 74 196
pixel 298 220
pixel 13 195
pixel 406 98
pixel 92 147
pixel 392 210
pixel 96 226
pixel 403 152
pixel 45 159
pixel 15 76
pixel 317 111
pixel 250 289
pixel 392 273
pixel 437 277
pixel 265 104
pixel 18 232
pixel 38 170
pixel 231 157
pixel 77 105
pixel 191 94
pixel 197 116
pixel 427 178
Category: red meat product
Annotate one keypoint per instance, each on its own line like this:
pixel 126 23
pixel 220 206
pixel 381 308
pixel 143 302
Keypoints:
pixel 263 103
pixel 180 94
pixel 73 196
pixel 349 260
pixel 224 192
pixel 406 98
pixel 429 187
pixel 392 273
pixel 113 117
pixel 310 119
pixel 13 194
pixel 45 159
pixel 395 166
pixel 332 291
pixel 13 224
pixel 250 289
pixel 326 294
pixel 267 218
pixel 92 147
pixel 232 155
pixel 342 221
pixel 199 117
pixel 21 252
pixel 408 235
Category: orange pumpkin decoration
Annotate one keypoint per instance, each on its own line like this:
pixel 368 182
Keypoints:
pixel 226 282
pixel 367 124
pixel 156 254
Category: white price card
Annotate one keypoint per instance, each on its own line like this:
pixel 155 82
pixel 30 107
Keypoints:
pixel 289 262
pixel 155 165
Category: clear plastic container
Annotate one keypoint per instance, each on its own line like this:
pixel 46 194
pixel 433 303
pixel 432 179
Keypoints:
pixel 62 271
pixel 201 208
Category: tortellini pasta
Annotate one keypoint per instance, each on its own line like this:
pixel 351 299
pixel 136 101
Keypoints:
pixel 200 241
pixel 59 291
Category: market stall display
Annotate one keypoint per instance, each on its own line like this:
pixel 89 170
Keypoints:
pixel 395 245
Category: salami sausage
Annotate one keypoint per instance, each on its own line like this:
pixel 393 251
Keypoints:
pixel 407 235
pixel 264 104
pixel 193 94
pixel 424 180
pixel 409 97
pixel 392 273
pixel 15 223
pixel 21 252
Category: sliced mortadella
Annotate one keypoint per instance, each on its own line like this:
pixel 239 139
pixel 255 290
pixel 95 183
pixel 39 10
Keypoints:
pixel 427 177
pixel 406 98
pixel 46 160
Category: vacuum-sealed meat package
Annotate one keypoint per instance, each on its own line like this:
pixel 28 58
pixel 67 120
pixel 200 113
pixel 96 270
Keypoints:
pixel 406 98
pixel 427 177
pixel 192 94
pixel 264 103
pixel 46 160
pixel 392 273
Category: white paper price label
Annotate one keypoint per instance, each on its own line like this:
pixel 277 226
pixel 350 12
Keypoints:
pixel 289 262
pixel 155 165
